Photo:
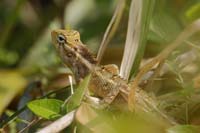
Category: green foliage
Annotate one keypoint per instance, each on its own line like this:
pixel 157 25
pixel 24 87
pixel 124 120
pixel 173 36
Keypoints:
pixel 77 97
pixel 46 108
pixel 164 24
pixel 193 12
pixel 123 122
pixel 53 108
pixel 184 129
pixel 26 47
pixel 8 57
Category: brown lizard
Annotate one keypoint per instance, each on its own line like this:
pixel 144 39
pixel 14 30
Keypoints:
pixel 105 81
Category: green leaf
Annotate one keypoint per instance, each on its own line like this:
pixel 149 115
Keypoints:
pixel 77 97
pixel 46 108
pixel 184 129
pixel 193 12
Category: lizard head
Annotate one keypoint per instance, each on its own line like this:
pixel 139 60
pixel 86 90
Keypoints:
pixel 66 37
pixel 73 52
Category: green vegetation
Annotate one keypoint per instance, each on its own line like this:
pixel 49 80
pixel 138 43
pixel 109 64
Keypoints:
pixel 155 43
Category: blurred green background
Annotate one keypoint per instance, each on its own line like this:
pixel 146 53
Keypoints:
pixel 27 54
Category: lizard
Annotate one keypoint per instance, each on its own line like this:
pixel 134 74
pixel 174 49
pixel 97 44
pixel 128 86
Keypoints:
pixel 105 81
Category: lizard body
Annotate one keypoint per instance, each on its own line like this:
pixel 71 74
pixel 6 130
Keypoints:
pixel 105 81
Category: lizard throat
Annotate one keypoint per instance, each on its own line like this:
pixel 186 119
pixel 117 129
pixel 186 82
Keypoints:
pixel 78 57
pixel 79 66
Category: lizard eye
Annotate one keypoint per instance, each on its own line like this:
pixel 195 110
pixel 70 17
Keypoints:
pixel 61 39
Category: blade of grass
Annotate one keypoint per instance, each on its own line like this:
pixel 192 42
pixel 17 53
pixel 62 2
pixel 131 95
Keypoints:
pixel 111 29
pixel 138 25
pixel 77 97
